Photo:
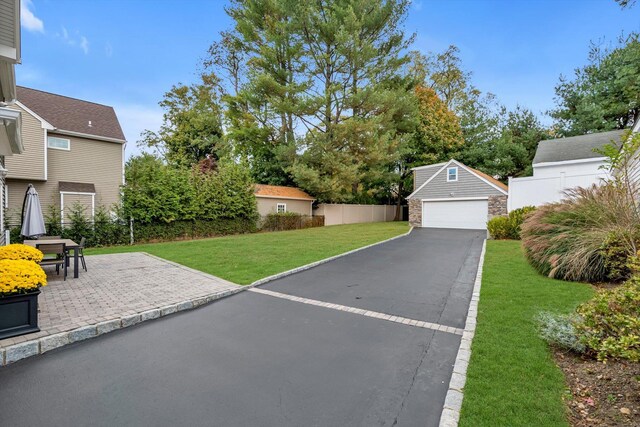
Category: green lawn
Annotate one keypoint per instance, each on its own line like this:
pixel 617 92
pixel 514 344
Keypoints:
pixel 512 379
pixel 246 258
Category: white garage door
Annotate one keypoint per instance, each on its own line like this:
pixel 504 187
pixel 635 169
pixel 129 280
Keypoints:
pixel 455 214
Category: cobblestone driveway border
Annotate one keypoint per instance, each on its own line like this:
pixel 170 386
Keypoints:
pixel 453 402
pixel 322 261
pixel 42 345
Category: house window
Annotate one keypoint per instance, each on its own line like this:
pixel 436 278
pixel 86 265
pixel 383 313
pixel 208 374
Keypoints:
pixel 58 143
pixel 452 174
pixel 281 208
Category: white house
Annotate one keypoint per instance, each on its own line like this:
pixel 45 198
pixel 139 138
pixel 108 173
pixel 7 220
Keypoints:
pixel 561 164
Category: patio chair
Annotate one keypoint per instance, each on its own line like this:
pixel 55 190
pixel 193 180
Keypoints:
pixel 54 254
pixel 83 242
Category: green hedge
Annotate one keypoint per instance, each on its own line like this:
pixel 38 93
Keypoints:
pixel 508 227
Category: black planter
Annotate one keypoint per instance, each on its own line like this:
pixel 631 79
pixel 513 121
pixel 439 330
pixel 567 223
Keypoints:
pixel 19 314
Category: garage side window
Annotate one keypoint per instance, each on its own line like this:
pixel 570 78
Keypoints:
pixel 452 174
pixel 282 208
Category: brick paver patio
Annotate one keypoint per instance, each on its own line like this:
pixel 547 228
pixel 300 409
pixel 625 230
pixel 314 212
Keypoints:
pixel 116 286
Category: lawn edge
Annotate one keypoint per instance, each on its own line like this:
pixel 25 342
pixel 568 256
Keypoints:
pixel 276 276
pixel 450 416
pixel 41 345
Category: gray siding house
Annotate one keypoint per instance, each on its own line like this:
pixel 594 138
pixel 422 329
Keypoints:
pixel 453 195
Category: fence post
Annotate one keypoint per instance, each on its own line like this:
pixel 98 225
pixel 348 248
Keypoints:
pixel 131 231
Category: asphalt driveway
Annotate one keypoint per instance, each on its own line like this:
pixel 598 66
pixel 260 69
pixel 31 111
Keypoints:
pixel 259 360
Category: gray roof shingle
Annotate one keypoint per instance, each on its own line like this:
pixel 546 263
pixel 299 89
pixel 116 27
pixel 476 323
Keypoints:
pixel 574 147
pixel 71 114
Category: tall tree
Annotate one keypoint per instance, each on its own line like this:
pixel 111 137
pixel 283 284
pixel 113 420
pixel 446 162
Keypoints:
pixel 604 94
pixel 192 123
pixel 354 53
pixel 436 137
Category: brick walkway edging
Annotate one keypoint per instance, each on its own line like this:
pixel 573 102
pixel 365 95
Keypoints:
pixel 322 261
pixel 37 346
pixel 453 402
pixel 42 345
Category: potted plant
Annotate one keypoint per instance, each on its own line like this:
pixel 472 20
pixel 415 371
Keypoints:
pixel 20 280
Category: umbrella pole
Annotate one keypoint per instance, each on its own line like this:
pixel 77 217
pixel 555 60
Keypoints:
pixel 24 202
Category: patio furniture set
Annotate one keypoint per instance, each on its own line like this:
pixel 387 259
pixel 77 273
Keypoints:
pixel 56 252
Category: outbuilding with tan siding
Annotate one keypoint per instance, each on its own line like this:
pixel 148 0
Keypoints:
pixel 280 199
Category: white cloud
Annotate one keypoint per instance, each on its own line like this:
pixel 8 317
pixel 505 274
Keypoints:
pixel 134 119
pixel 27 18
pixel 77 40
pixel 84 44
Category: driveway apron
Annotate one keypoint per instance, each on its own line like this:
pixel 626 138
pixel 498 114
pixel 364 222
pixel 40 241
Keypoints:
pixel 259 360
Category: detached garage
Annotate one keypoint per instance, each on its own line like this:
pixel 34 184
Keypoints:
pixel 453 195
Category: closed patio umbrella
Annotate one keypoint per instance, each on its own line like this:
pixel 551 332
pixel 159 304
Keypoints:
pixel 32 219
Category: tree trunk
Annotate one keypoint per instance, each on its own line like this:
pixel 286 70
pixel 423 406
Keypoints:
pixel 398 216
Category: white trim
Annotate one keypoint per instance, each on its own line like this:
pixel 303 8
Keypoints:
pixel 451 168
pixel 284 205
pixel 90 136
pixel 123 162
pixel 503 191
pixel 45 124
pixel 569 162
pixel 46 154
pixel 6 196
pixel 288 198
pixel 61 208
pixel 81 193
pixel 59 148
pixel 455 199
pixel 428 181
pixel 506 193
pixel 417 168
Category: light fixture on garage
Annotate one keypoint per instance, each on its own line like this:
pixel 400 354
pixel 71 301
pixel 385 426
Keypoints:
pixel 452 194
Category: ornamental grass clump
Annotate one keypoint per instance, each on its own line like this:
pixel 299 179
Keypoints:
pixel 572 239
pixel 18 251
pixel 20 277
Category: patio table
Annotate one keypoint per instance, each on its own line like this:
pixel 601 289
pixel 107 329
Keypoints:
pixel 69 244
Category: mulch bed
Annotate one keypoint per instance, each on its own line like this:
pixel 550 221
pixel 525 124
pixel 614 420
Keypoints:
pixel 600 394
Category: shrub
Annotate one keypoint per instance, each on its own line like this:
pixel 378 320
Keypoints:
pixel 560 330
pixel 290 221
pixel 20 277
pixel 568 239
pixel 20 251
pixel 610 325
pixel 516 218
pixel 499 227
pixel 508 227
pixel 191 229
pixel 77 224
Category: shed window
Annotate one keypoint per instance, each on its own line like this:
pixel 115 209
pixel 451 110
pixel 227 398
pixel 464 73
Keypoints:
pixel 282 208
pixel 452 174
pixel 58 143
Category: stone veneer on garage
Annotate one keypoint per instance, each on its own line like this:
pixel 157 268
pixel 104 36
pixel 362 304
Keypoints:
pixel 415 212
pixel 497 206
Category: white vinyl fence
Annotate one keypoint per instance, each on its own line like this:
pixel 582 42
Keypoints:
pixel 351 214
pixel 532 191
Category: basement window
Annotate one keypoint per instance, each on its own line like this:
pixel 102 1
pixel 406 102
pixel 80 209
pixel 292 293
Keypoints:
pixel 452 174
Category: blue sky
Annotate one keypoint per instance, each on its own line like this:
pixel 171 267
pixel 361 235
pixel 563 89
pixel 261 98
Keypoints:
pixel 129 53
